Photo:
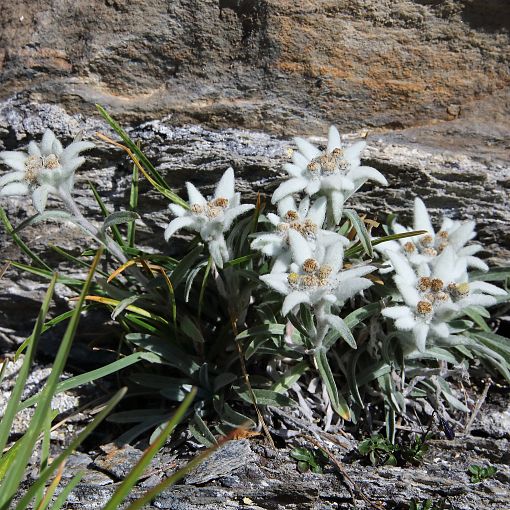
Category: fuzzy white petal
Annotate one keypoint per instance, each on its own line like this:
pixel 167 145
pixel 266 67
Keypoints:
pixel 286 204
pixel 194 196
pixel 47 142
pixel 401 265
pixel 294 299
pixel 396 312
pixel 277 281
pixel 40 197
pixel 33 149
pixel 352 153
pixel 11 177
pixel 306 148
pixel 14 159
pixel 337 204
pixel 299 247
pixel 219 251
pixel 441 330
pixel 420 332
pixel 351 287
pixel 232 213
pixel 476 263
pixel 288 187
pixel 299 160
pixel 177 210
pixel 405 323
pixel 14 188
pixel 178 223
pixel 409 292
pixel 421 217
pixel 334 141
pixel 225 187
pixel 462 235
pixel 367 173
pixel 469 250
pixel 293 170
pixel 72 150
pixel 487 288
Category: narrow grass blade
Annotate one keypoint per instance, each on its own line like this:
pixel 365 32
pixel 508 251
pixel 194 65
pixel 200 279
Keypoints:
pixel 22 246
pixel 51 489
pixel 12 406
pixel 133 476
pixel 93 375
pixel 172 480
pixel 361 230
pixel 15 475
pixel 105 212
pixel 41 480
pixel 133 204
pixel 62 497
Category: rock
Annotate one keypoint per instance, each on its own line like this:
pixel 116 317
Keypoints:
pixel 232 456
pixel 278 65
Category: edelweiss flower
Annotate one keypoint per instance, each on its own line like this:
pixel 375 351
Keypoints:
pixel 306 220
pixel 47 168
pixel 335 173
pixel 317 279
pixel 433 299
pixel 426 248
pixel 211 219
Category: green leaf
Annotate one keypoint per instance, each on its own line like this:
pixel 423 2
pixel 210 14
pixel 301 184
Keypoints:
pixel 200 431
pixel 62 497
pixel 361 230
pixel 21 245
pixel 118 217
pixel 266 398
pixel 75 442
pixel 290 377
pixel 44 216
pixel 13 402
pixel 266 330
pixel 133 204
pixel 93 375
pixel 342 329
pixel 171 354
pixel 156 179
pixel 105 212
pixel 338 403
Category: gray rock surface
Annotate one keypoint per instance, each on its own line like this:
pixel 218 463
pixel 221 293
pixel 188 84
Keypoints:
pixel 278 65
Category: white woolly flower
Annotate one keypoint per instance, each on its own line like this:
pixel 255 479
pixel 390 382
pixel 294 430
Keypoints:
pixel 335 173
pixel 305 219
pixel 317 278
pixel 210 218
pixel 48 168
pixel 434 298
pixel 426 248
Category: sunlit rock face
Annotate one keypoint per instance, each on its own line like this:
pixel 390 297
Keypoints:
pixel 277 65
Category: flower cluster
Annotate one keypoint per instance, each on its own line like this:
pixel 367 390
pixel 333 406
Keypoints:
pixel 47 169
pixel 335 173
pixel 210 218
pixel 425 249
pixel 434 297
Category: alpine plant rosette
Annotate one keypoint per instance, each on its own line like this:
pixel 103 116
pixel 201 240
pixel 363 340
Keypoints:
pixel 210 218
pixel 335 173
pixel 46 169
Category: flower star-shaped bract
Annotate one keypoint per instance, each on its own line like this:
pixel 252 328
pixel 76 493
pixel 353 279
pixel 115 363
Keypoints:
pixel 48 168
pixel 335 173
pixel 211 219
pixel 426 248
pixel 305 219
pixel 317 279
pixel 433 299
